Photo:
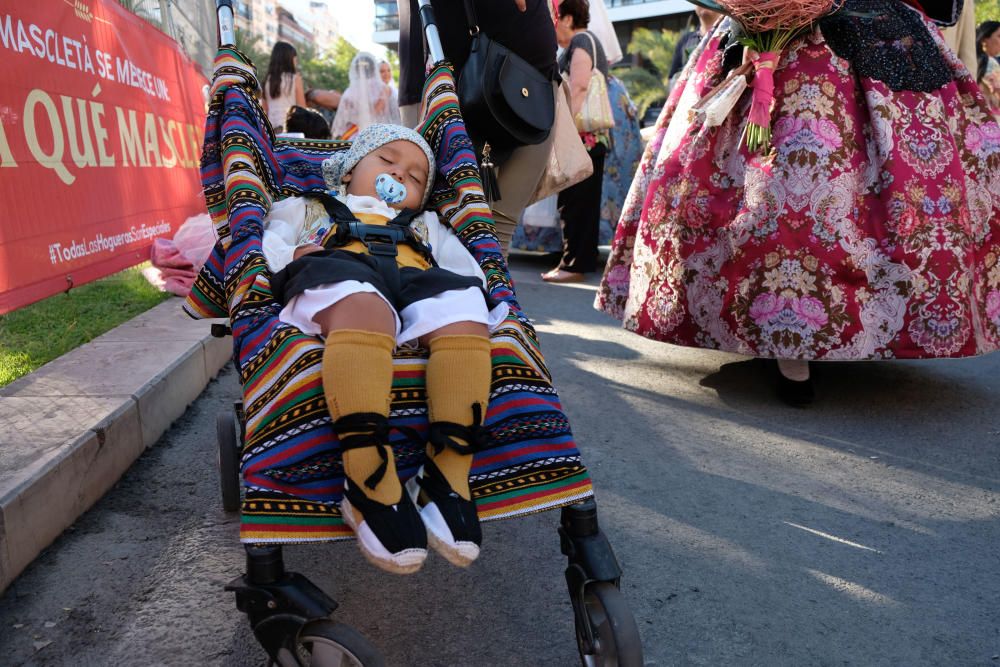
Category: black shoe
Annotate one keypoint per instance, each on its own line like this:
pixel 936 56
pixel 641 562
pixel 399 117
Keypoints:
pixel 392 537
pixel 796 393
pixel 452 522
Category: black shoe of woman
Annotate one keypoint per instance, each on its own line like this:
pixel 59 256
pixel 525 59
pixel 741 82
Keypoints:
pixel 796 393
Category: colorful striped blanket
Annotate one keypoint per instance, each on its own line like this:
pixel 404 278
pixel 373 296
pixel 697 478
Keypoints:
pixel 292 470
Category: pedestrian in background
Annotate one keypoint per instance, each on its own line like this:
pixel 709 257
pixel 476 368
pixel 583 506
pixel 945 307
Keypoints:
pixel 987 67
pixel 538 229
pixel 366 101
pixel 689 40
pixel 282 85
pixel 580 205
pixel 385 72
pixel 621 160
pixel 523 26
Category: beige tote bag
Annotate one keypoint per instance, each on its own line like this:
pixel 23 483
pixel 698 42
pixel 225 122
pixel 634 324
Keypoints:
pixel 569 163
pixel 596 113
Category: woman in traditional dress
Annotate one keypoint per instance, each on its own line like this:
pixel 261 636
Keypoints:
pixel 366 101
pixel 868 229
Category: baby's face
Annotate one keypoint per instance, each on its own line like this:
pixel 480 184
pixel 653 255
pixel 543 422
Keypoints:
pixel 403 160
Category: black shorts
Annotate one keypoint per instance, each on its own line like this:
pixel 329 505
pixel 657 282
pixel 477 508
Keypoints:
pixel 334 266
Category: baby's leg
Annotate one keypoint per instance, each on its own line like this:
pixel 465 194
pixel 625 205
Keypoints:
pixel 357 382
pixel 458 383
pixel 458 389
pixel 357 377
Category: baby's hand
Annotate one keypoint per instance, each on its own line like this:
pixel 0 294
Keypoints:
pixel 306 249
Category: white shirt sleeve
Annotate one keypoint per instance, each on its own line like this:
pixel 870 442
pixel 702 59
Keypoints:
pixel 282 226
pixel 448 249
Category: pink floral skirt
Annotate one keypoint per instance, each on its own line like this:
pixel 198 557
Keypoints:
pixel 870 231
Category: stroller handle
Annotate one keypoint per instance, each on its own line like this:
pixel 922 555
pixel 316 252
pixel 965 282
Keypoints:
pixel 431 31
pixel 227 32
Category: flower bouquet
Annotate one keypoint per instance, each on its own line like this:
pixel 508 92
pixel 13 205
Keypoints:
pixel 766 27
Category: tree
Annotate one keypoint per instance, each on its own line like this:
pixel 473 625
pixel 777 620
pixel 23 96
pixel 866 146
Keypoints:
pixel 655 46
pixel 250 46
pixel 328 70
pixel 987 10
pixel 648 84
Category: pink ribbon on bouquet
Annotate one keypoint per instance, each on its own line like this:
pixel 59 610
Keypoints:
pixel 764 65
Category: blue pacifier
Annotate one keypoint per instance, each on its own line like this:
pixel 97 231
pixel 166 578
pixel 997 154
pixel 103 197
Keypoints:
pixel 389 190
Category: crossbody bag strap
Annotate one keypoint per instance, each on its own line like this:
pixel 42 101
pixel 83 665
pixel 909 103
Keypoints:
pixel 470 17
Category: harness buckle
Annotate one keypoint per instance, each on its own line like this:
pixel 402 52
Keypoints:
pixel 382 248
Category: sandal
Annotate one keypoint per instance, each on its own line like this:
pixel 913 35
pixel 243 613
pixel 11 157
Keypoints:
pixel 451 521
pixel 563 276
pixel 391 537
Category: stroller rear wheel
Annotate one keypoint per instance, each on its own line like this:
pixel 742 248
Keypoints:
pixel 325 643
pixel 229 460
pixel 613 639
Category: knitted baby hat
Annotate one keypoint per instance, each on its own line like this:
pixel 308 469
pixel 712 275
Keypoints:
pixel 341 163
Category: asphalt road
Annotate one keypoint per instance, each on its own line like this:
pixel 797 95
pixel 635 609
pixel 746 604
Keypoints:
pixel 860 531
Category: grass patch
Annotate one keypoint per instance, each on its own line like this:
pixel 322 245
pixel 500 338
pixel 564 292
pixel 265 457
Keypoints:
pixel 37 334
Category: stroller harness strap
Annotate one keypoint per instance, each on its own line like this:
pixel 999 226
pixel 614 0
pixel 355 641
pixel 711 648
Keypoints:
pixel 392 243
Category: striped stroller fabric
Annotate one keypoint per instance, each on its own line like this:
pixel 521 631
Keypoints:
pixel 292 469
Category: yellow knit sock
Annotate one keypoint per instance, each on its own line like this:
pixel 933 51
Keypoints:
pixel 357 377
pixel 458 376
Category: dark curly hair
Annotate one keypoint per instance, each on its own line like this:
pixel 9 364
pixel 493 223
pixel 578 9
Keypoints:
pixel 308 122
pixel 579 10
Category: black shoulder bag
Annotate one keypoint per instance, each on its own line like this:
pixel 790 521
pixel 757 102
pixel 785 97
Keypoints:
pixel 505 101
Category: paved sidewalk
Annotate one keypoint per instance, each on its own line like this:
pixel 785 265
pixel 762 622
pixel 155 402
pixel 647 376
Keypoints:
pixel 69 430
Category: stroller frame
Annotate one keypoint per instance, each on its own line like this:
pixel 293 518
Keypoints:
pixel 291 617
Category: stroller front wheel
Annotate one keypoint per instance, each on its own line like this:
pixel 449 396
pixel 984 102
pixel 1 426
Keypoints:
pixel 613 640
pixel 229 460
pixel 325 643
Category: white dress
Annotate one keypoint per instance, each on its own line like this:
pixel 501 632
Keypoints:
pixel 277 107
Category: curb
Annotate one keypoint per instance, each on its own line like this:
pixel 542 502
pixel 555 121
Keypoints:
pixel 72 428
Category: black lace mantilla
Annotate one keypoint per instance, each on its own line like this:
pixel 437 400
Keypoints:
pixel 887 41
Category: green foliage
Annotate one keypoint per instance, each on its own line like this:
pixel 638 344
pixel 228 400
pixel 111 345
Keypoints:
pixel 327 70
pixel 320 69
pixel 987 10
pixel 648 84
pixel 643 87
pixel 656 47
pixel 37 334
pixel 251 46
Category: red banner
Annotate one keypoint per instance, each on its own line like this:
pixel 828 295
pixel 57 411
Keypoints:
pixel 101 122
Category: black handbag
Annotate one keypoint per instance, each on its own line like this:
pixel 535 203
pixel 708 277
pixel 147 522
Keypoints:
pixel 505 101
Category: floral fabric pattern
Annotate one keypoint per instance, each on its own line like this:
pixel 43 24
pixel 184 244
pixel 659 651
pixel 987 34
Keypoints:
pixel 871 230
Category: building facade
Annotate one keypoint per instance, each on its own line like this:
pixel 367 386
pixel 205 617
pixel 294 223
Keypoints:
pixel 293 32
pixel 325 27
pixel 300 22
